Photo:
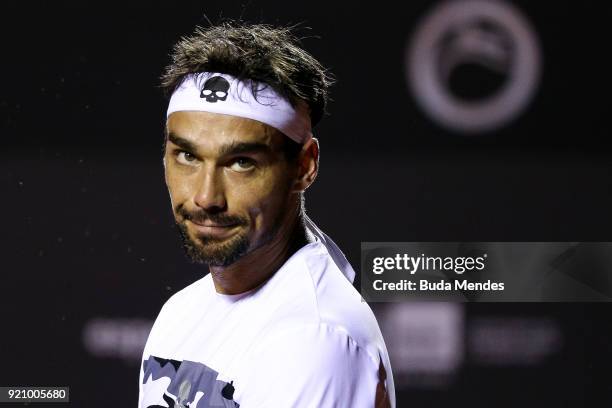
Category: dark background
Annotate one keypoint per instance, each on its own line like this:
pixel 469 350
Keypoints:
pixel 88 231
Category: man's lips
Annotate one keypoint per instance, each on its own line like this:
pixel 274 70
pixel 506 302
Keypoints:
pixel 212 229
pixel 212 224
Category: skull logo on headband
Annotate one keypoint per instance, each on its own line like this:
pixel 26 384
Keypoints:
pixel 215 89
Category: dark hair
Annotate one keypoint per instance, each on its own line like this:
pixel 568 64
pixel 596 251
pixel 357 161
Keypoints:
pixel 259 52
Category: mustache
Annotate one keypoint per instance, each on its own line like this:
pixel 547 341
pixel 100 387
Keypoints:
pixel 201 216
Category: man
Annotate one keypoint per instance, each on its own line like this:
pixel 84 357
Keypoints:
pixel 277 322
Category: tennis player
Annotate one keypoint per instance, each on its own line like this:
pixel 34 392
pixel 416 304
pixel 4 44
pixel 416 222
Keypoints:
pixel 277 321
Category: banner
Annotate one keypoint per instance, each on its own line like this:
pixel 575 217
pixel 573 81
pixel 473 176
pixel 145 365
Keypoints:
pixel 487 271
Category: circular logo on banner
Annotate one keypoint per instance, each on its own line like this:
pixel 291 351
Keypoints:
pixel 473 65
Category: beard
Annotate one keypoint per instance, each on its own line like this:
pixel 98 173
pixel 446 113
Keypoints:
pixel 209 250
pixel 213 252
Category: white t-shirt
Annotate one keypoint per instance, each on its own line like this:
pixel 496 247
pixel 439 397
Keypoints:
pixel 304 338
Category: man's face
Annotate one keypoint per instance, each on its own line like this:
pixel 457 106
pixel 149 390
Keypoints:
pixel 229 182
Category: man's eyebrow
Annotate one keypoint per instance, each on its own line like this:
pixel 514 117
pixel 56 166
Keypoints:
pixel 181 142
pixel 232 149
pixel 244 147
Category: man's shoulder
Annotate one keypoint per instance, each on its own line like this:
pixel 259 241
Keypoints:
pixel 321 342
pixel 317 293
pixel 197 289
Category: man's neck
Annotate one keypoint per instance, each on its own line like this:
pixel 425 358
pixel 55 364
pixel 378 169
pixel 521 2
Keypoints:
pixel 256 267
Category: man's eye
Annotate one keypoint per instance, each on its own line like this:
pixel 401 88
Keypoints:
pixel 185 157
pixel 242 164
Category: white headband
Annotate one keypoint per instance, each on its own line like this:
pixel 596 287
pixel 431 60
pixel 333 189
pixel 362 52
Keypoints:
pixel 222 93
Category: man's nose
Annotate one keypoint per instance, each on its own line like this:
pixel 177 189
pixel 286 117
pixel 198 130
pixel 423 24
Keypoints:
pixel 211 195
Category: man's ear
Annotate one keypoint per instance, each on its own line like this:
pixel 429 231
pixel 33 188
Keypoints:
pixel 308 165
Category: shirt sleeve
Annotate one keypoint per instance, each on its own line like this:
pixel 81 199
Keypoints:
pixel 314 366
pixel 140 380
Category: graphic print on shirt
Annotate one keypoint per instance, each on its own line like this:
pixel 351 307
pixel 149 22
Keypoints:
pixel 184 384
